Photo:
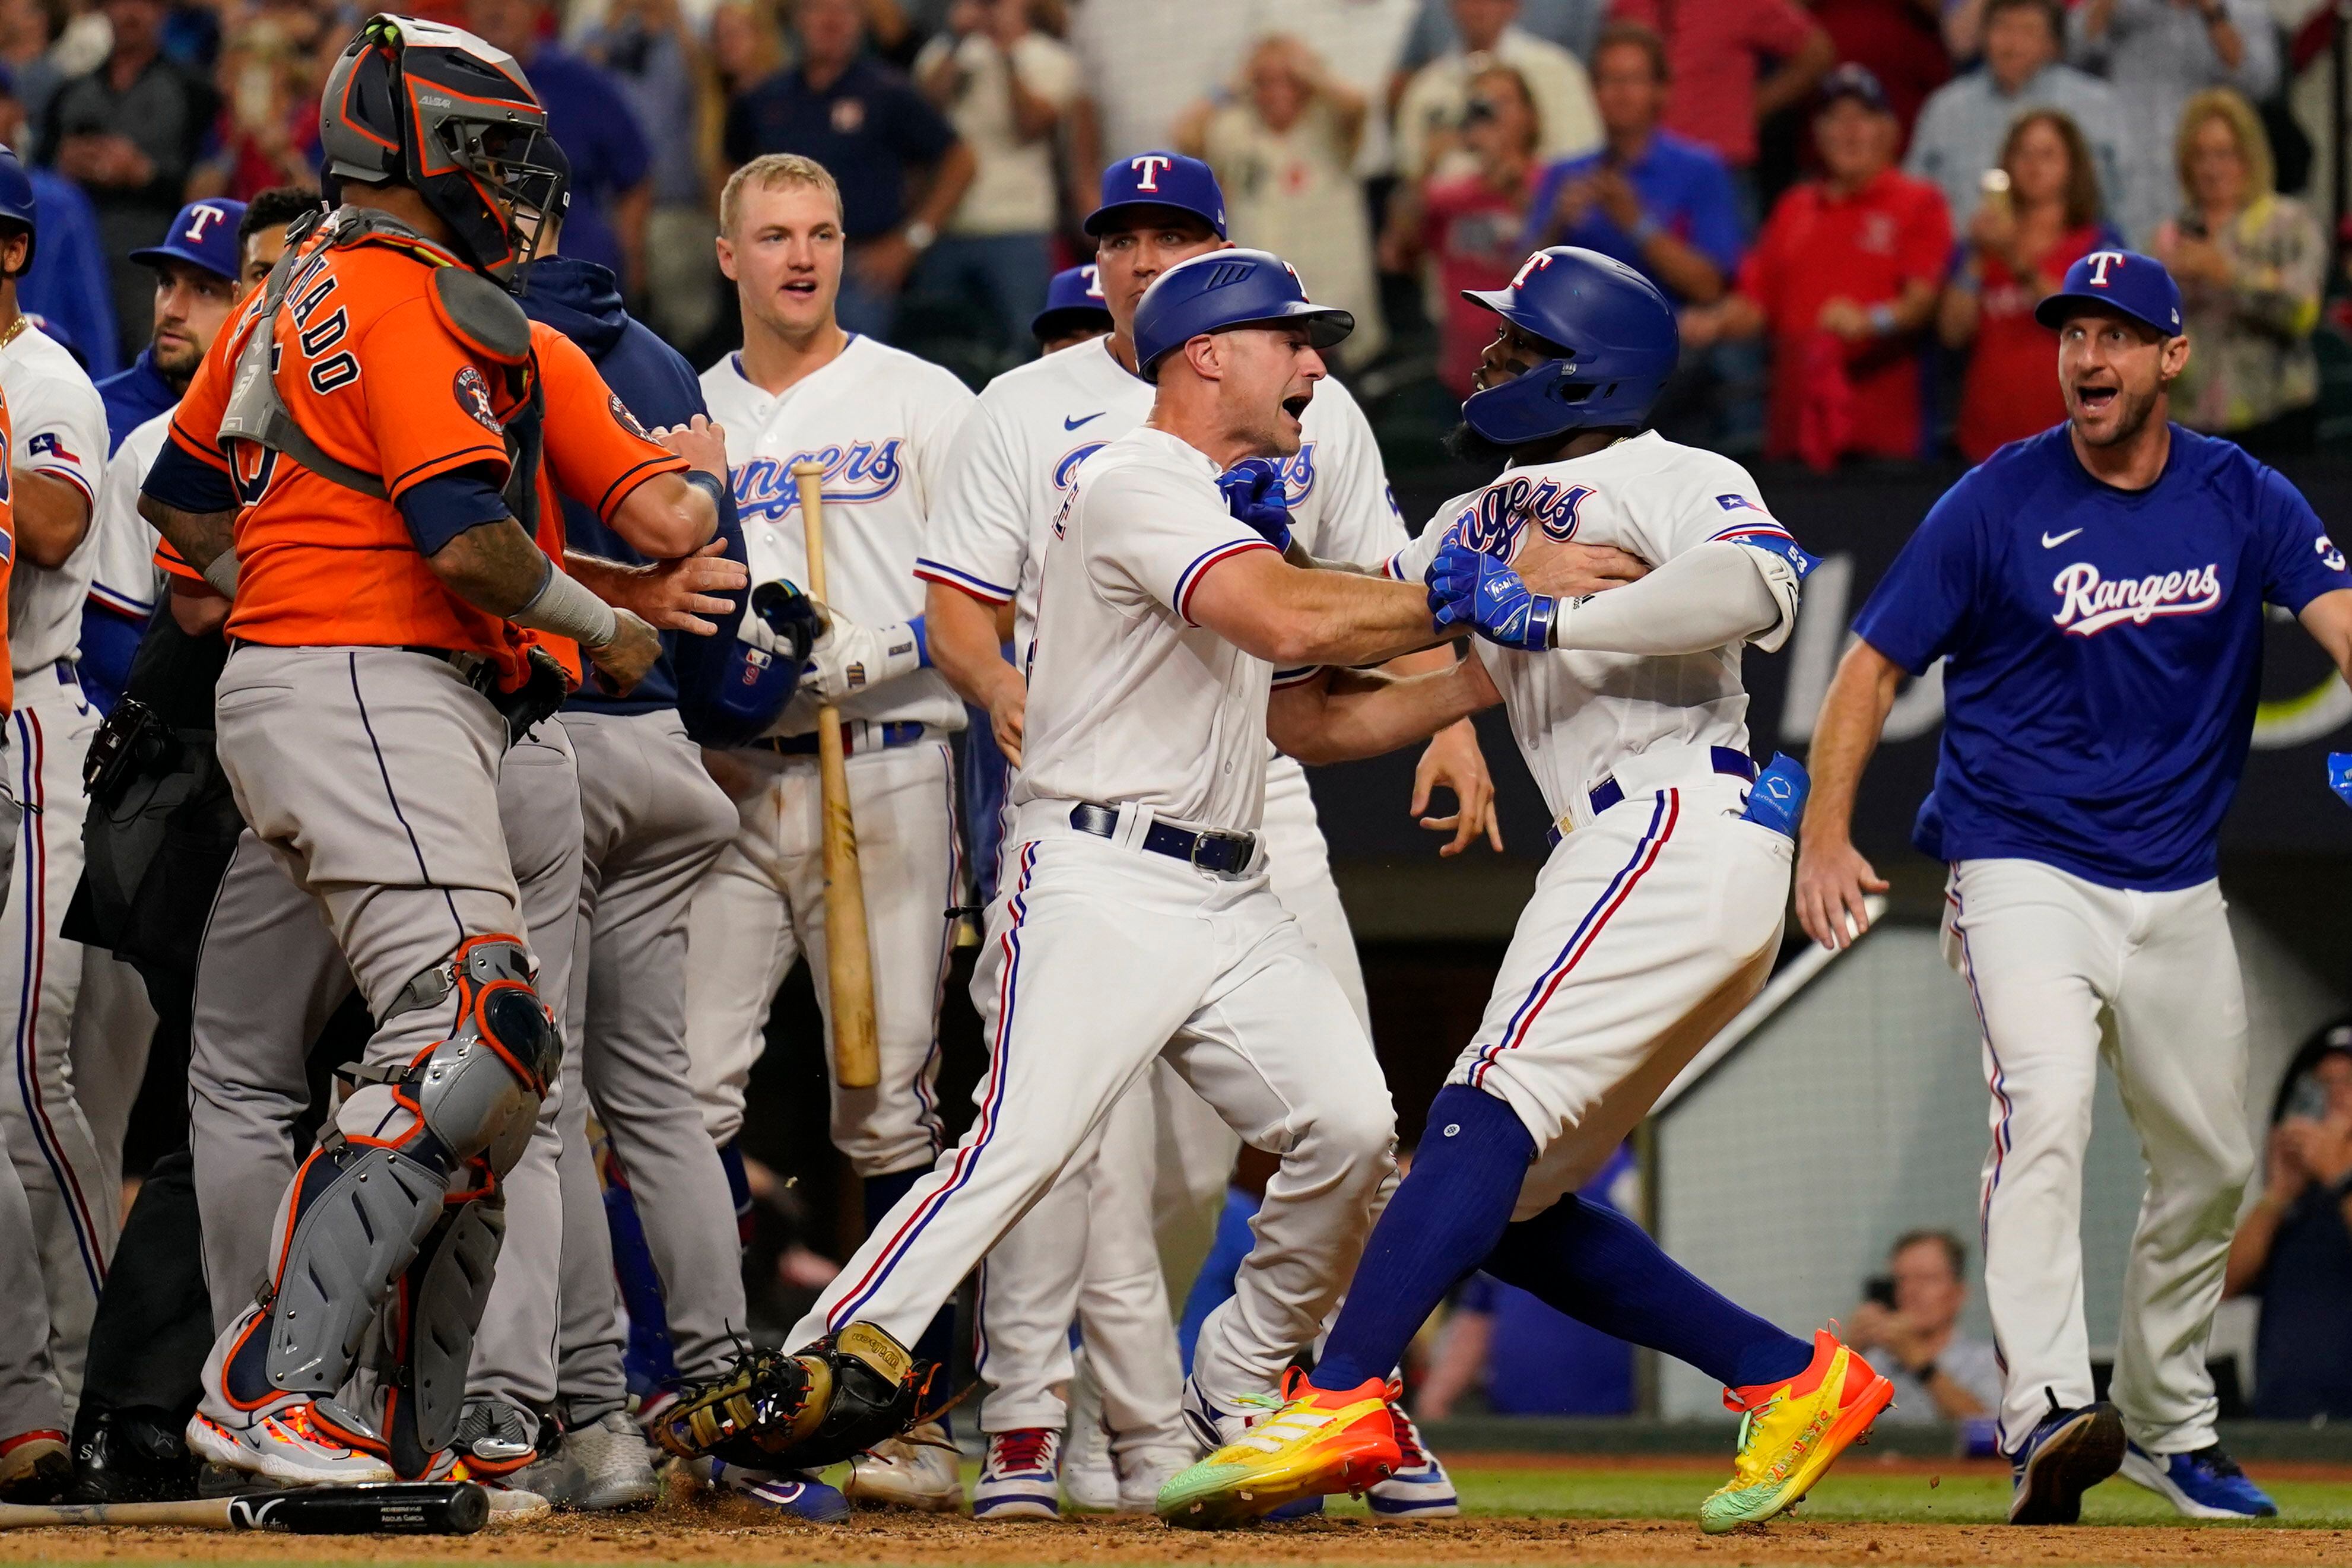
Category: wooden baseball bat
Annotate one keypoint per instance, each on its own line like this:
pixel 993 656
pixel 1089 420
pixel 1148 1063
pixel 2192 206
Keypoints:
pixel 849 962
pixel 395 1508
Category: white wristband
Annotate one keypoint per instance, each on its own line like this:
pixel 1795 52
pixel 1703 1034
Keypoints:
pixel 222 573
pixel 564 608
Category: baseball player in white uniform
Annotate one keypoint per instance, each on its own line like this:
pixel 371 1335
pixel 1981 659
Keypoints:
pixel 881 421
pixel 58 460
pixel 1133 916
pixel 1012 467
pixel 1655 918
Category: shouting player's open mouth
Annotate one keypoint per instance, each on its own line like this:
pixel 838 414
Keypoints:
pixel 2096 391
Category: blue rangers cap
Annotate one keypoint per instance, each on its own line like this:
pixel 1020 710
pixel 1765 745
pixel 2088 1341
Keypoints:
pixel 1161 180
pixel 203 234
pixel 2123 281
pixel 1074 302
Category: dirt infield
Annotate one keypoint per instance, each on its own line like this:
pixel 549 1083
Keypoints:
pixel 712 1536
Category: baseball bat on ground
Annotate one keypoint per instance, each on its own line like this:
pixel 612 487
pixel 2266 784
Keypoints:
pixel 849 963
pixel 392 1507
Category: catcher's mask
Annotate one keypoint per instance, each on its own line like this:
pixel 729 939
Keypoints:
pixel 435 108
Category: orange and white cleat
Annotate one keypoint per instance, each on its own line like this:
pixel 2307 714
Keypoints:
pixel 1320 1442
pixel 1791 1433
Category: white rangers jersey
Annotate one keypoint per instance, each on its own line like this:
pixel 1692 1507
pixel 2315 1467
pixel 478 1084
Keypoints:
pixel 881 422
pixel 1015 461
pixel 124 577
pixel 1129 699
pixel 1577 715
pixel 60 433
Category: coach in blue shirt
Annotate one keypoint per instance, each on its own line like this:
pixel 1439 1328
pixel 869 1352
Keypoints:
pixel 196 268
pixel 1662 203
pixel 2095 592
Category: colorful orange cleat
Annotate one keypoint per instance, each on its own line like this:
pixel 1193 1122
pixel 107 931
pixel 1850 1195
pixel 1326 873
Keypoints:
pixel 1791 1433
pixel 1320 1442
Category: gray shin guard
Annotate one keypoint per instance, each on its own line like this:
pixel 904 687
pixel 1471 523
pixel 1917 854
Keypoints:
pixel 360 1213
pixel 448 1287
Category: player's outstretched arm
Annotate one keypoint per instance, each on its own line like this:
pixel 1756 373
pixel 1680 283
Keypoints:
pixel 967 647
pixel 1833 878
pixel 668 595
pixel 1341 715
pixel 1265 606
pixel 669 515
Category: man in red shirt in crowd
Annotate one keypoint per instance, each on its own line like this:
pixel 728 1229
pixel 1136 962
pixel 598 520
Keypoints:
pixel 1844 278
pixel 1717 49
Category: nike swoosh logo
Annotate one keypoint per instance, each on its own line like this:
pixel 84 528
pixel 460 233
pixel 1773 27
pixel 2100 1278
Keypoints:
pixel 1069 424
pixel 2049 544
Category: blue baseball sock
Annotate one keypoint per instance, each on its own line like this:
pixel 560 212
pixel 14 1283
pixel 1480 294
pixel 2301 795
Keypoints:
pixel 646 1361
pixel 1214 1283
pixel 739 1188
pixel 936 1342
pixel 1600 1268
pixel 1442 1222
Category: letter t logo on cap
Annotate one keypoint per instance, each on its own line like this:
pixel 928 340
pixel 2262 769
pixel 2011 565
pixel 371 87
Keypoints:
pixel 2100 261
pixel 1148 168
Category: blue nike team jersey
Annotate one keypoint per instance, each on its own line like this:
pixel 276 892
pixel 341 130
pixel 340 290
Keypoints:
pixel 2105 651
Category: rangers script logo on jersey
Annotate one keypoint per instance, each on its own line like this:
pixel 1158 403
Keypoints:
pixel 1492 525
pixel 861 471
pixel 2089 604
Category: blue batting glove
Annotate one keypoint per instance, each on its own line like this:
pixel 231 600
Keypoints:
pixel 1466 587
pixel 1254 494
pixel 2339 775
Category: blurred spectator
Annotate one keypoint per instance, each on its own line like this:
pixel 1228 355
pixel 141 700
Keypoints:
pixel 590 116
pixel 647 48
pixel 1003 87
pixel 1141 63
pixel 1909 1330
pixel 747 46
pixel 1573 25
pixel 2020 243
pixel 66 285
pixel 1964 30
pixel 2293 1248
pixel 1429 114
pixel 1716 51
pixel 1470 224
pixel 27 28
pixel 1657 202
pixel 268 131
pixel 1360 43
pixel 1074 314
pixel 868 126
pixel 1842 279
pixel 2251 264
pixel 1901 41
pixel 2159 53
pixel 129 133
pixel 1284 148
pixel 1961 130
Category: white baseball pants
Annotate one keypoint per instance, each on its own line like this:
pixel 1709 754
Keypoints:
pixel 2044 952
pixel 1101 957
pixel 761 907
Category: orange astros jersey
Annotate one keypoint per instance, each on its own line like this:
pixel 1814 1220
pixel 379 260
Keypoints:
pixel 370 371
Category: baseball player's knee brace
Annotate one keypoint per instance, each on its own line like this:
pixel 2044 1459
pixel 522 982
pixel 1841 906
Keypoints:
pixel 478 1091
pixel 447 1285
pixel 354 1221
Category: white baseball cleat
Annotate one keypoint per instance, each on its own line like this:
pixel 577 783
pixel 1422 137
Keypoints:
pixel 286 1445
pixel 920 1472
pixel 1142 1474
pixel 1420 1489
pixel 1021 1478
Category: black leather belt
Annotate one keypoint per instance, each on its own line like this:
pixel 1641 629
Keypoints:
pixel 895 733
pixel 1213 850
pixel 1725 760
pixel 479 670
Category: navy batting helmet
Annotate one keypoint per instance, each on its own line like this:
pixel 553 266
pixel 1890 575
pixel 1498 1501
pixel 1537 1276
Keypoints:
pixel 763 668
pixel 16 204
pixel 1223 289
pixel 1617 341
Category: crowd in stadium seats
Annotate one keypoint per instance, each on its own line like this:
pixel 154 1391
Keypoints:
pixel 1853 202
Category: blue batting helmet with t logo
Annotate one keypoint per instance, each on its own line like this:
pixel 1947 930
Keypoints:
pixel 1223 289
pixel 763 669
pixel 1617 341
pixel 16 204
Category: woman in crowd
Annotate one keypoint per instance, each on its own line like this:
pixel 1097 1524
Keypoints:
pixel 1284 147
pixel 2249 263
pixel 1469 223
pixel 2042 218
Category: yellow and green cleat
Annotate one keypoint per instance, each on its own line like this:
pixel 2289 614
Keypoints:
pixel 1791 1433
pixel 1320 1442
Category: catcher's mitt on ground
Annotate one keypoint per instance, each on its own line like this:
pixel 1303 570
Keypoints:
pixel 824 1403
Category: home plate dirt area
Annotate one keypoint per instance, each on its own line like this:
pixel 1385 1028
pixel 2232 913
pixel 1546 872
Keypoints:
pixel 1518 1510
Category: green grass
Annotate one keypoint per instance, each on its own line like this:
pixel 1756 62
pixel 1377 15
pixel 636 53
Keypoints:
pixel 1853 1491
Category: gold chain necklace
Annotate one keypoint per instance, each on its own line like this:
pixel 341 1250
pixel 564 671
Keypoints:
pixel 15 330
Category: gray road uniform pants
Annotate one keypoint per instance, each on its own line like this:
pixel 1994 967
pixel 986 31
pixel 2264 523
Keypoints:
pixel 28 1384
pixel 378 791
